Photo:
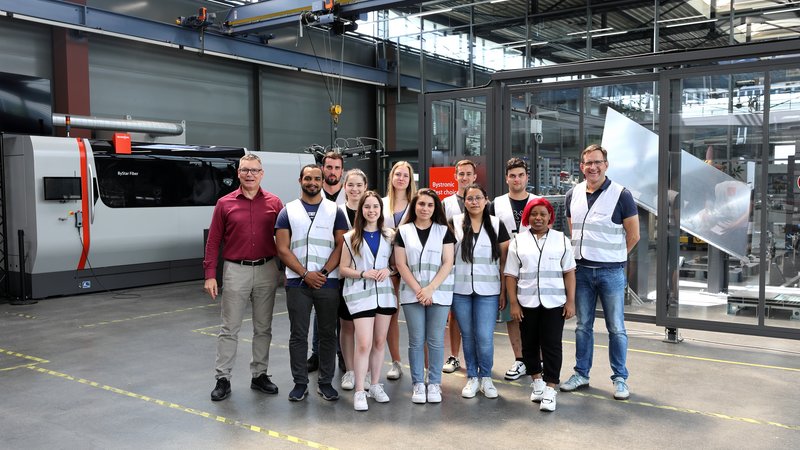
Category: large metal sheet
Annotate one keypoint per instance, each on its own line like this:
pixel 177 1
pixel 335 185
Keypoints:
pixel 714 206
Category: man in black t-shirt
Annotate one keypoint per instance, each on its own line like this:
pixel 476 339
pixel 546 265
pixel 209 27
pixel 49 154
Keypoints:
pixel 508 208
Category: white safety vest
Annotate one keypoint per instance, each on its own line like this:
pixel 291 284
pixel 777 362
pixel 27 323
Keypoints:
pixel 343 207
pixel 388 214
pixel 424 262
pixel 362 294
pixel 541 276
pixel 503 211
pixel 451 207
pixel 312 242
pixel 594 235
pixel 482 276
pixel 341 197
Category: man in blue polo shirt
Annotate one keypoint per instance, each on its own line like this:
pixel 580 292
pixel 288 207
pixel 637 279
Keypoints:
pixel 604 221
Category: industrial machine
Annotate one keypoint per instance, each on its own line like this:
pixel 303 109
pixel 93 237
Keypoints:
pixel 94 219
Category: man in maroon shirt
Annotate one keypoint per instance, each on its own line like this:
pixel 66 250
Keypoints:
pixel 244 221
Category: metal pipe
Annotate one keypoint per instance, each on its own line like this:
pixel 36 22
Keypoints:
pixel 136 126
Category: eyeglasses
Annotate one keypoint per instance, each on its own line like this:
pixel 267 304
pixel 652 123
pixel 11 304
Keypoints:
pixel 250 171
pixel 593 163
pixel 474 199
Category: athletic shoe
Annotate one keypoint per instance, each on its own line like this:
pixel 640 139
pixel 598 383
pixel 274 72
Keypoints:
pixel 548 399
pixel 517 370
pixel 264 384
pixel 537 389
pixel 327 392
pixel 621 389
pixel 471 388
pixel 222 390
pixel 376 391
pixel 349 380
pixel 360 401
pixel 299 393
pixel 576 381
pixel 434 393
pixel 487 387
pixel 418 394
pixel 395 372
pixel 451 365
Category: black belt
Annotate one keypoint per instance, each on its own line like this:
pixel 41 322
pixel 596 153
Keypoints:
pixel 245 262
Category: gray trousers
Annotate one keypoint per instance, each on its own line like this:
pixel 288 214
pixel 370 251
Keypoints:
pixel 325 301
pixel 243 285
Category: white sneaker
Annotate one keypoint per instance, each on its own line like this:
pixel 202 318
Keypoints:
pixel 471 388
pixel 451 365
pixel 537 387
pixel 376 391
pixel 395 372
pixel 621 389
pixel 487 387
pixel 360 401
pixel 517 370
pixel 434 393
pixel 349 380
pixel 418 394
pixel 548 399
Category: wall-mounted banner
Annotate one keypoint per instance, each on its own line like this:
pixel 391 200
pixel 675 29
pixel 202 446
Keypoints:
pixel 443 180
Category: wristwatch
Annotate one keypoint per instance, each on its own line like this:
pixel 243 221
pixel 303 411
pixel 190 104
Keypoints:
pixel 324 271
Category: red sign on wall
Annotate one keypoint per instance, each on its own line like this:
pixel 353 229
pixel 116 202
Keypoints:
pixel 443 181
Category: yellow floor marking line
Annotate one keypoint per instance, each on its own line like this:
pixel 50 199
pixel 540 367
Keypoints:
pixel 249 341
pixel 146 316
pixel 196 412
pixel 24 356
pixel 214 327
pixel 692 411
pixel 695 358
pixel 24 316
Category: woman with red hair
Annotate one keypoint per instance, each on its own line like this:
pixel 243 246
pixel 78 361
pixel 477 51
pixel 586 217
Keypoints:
pixel 540 283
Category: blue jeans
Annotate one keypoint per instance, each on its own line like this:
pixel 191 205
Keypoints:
pixel 476 318
pixel 426 327
pixel 609 285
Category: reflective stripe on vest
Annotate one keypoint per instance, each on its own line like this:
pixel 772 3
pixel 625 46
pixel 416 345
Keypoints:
pixel 312 242
pixel 541 281
pixel 594 235
pixel 361 294
pixel 482 276
pixel 424 262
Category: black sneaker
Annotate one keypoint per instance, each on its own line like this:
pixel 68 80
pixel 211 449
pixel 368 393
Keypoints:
pixel 327 392
pixel 299 393
pixel 313 363
pixel 262 383
pixel 222 390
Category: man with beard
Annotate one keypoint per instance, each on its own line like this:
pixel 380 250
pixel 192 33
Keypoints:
pixel 308 235
pixel 332 170
pixel 332 187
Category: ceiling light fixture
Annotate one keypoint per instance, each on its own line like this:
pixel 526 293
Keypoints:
pixel 590 31
pixel 532 44
pixel 690 23
pixel 681 18
pixel 428 13
pixel 606 34
pixel 781 11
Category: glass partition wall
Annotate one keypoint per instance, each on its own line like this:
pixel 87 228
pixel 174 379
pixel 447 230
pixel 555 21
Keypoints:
pixel 708 148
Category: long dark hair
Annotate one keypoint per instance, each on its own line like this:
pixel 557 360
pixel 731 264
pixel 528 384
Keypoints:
pixel 467 242
pixel 438 215
pixel 361 222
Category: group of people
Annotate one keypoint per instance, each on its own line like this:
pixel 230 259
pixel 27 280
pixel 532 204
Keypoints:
pixel 355 258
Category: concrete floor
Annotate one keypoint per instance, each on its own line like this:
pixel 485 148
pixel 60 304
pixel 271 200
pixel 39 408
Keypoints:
pixel 135 371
